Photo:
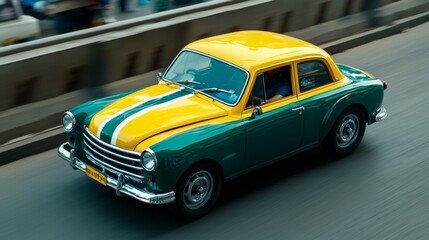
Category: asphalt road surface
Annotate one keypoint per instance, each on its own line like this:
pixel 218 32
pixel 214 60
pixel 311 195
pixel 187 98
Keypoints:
pixel 379 192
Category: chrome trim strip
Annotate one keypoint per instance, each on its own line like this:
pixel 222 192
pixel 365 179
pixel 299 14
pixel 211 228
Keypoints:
pixel 110 152
pixel 138 179
pixel 108 166
pixel 300 108
pixel 111 159
pixel 127 189
pixel 106 156
pixel 111 146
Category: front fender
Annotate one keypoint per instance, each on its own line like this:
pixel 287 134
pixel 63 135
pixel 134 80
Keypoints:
pixel 84 113
pixel 221 142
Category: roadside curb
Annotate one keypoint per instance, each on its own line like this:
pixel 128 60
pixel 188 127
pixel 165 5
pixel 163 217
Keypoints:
pixel 53 137
pixel 47 139
pixel 375 34
pixel 32 145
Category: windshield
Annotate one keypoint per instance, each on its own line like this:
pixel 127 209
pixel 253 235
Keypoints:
pixel 208 76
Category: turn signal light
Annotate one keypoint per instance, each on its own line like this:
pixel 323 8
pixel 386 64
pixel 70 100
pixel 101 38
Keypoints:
pixel 151 177
pixel 70 139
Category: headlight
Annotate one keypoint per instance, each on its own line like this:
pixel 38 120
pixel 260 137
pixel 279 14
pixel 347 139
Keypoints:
pixel 148 160
pixel 69 121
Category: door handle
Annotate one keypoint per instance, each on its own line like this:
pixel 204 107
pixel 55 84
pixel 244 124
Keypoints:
pixel 300 108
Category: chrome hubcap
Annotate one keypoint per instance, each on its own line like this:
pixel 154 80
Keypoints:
pixel 347 131
pixel 198 189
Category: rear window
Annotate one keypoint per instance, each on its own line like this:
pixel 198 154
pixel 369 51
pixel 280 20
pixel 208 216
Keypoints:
pixel 313 74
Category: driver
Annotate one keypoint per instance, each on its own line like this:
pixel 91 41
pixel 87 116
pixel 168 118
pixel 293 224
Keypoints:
pixel 276 84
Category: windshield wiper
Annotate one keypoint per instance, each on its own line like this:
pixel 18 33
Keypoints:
pixel 186 82
pixel 231 92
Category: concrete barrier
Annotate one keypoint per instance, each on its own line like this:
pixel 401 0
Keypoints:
pixel 33 119
pixel 42 73
pixel 83 60
pixel 117 26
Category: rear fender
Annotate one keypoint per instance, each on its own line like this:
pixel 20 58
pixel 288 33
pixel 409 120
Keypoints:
pixel 331 116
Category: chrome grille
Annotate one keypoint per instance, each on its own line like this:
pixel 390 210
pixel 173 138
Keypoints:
pixel 112 158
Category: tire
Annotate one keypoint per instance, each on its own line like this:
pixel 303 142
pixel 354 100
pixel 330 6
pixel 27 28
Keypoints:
pixel 197 191
pixel 347 132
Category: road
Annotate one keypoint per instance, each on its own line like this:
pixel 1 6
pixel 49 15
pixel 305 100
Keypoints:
pixel 381 191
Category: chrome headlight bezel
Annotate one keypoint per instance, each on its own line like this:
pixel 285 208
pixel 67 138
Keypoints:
pixel 148 160
pixel 68 121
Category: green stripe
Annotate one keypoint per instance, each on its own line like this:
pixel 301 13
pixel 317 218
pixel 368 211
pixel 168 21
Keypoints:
pixel 109 128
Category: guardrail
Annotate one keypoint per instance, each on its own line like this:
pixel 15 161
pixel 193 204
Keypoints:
pixel 117 26
pixel 48 68
pixel 24 127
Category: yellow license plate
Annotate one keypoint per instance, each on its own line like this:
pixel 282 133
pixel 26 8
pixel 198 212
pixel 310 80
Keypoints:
pixel 96 175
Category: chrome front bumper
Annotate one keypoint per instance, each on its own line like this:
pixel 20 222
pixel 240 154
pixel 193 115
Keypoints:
pixel 381 115
pixel 119 184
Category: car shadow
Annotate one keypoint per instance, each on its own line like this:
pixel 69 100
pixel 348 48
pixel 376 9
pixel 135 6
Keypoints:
pixel 154 220
pixel 274 173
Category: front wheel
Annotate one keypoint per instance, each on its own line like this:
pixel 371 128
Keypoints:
pixel 347 132
pixel 197 191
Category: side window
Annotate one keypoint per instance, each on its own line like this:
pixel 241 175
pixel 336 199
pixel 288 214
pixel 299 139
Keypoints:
pixel 277 83
pixel 312 74
pixel 271 85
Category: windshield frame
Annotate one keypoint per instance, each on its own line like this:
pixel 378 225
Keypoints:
pixel 239 96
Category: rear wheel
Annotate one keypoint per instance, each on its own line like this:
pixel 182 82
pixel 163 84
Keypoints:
pixel 347 132
pixel 197 191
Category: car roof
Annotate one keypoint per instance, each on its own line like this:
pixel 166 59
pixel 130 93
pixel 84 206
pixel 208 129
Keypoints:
pixel 255 49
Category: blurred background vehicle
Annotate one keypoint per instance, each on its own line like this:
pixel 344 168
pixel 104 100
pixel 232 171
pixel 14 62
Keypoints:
pixel 70 15
pixel 63 16
pixel 14 26
pixel 34 8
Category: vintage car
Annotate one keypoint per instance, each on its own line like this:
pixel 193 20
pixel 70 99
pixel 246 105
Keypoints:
pixel 225 106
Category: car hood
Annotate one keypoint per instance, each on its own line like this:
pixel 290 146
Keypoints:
pixel 145 113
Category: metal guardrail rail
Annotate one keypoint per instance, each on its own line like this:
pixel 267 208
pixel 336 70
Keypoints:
pixel 38 84
pixel 117 26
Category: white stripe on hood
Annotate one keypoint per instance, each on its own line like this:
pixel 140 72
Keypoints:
pixel 100 128
pixel 141 113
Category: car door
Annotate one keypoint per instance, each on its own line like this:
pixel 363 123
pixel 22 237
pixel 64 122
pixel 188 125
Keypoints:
pixel 317 94
pixel 273 129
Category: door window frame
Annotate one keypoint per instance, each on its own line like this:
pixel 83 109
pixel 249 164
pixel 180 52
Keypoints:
pixel 296 75
pixel 261 72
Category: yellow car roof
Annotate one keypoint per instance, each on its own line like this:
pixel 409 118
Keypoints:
pixel 255 49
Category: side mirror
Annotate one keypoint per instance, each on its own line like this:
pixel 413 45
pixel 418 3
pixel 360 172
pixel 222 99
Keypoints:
pixel 256 112
pixel 159 76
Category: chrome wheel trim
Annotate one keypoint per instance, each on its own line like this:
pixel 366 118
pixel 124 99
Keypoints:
pixel 348 131
pixel 198 190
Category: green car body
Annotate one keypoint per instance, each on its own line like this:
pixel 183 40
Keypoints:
pixel 181 141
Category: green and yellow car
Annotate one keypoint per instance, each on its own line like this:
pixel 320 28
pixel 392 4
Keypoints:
pixel 225 106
